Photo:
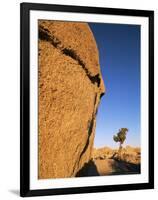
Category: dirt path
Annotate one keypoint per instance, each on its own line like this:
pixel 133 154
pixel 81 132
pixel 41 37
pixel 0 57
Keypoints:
pixel 111 166
pixel 105 167
pixel 101 167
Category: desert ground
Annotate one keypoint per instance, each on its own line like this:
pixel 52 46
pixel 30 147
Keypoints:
pixel 105 162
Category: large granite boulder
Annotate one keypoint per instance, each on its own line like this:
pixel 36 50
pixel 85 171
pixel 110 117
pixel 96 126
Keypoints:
pixel 70 88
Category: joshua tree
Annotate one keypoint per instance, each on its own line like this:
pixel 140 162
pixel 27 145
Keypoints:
pixel 120 137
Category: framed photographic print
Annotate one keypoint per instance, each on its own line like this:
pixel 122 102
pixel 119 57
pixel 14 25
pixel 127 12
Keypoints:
pixel 87 99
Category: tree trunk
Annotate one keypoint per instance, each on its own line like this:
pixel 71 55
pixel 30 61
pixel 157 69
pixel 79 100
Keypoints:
pixel 119 151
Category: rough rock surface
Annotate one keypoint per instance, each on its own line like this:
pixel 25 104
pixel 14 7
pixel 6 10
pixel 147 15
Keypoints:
pixel 70 88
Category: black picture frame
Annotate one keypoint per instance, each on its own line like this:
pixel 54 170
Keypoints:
pixel 25 9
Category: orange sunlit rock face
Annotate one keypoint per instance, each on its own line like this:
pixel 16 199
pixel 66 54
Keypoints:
pixel 70 87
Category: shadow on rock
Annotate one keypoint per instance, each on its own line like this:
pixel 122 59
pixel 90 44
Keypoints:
pixel 89 169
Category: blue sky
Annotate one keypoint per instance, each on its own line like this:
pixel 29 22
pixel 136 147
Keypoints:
pixel 119 51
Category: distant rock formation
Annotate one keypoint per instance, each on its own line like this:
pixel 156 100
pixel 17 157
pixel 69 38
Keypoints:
pixel 129 154
pixel 103 153
pixel 70 88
